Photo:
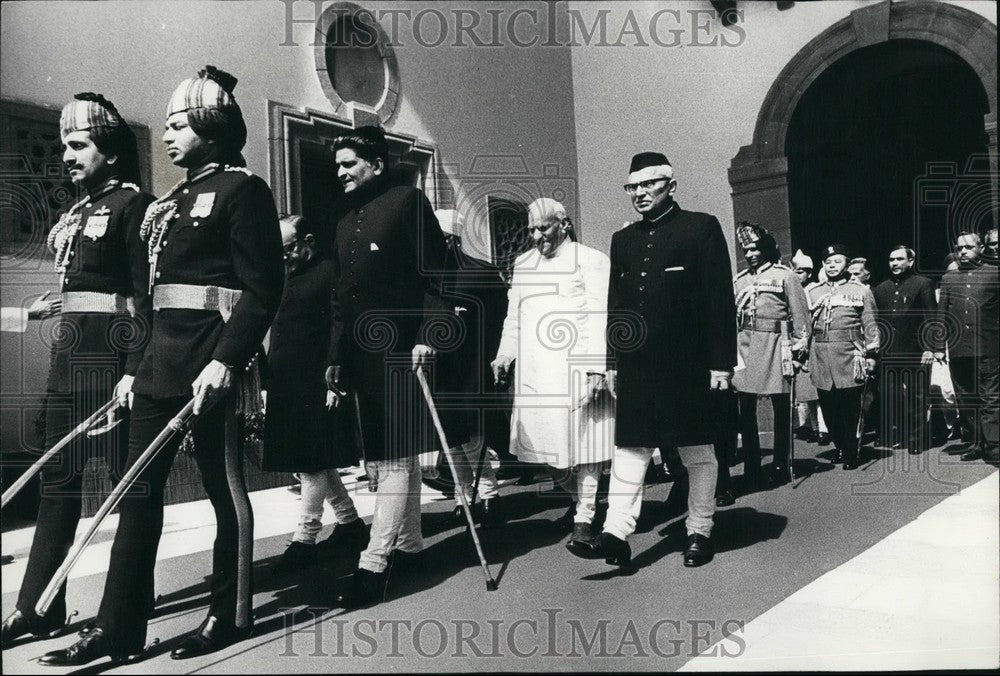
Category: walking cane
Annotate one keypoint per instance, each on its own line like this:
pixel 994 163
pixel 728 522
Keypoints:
pixel 85 426
pixel 176 424
pixel 491 584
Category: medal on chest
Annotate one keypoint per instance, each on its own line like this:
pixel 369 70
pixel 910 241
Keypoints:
pixel 97 224
pixel 203 205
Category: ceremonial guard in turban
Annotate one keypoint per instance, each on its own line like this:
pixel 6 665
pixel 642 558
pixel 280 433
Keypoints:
pixel 97 341
pixel 215 281
pixel 671 342
pixel 388 316
pixel 773 316
pixel 554 335
pixel 845 340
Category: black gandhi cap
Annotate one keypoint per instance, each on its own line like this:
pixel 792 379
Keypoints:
pixel 643 160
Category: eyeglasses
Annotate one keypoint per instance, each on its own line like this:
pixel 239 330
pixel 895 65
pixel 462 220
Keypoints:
pixel 647 185
pixel 288 249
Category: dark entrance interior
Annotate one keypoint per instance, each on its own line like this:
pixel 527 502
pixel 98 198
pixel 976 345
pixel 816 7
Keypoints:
pixel 862 142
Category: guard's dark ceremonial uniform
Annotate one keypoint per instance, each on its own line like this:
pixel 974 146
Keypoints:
pixel 300 434
pixel 220 246
pixel 388 254
pixel 844 334
pixel 670 321
pixel 97 340
pixel 968 309
pixel 906 306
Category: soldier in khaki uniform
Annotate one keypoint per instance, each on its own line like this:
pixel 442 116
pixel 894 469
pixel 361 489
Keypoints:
pixel 773 316
pixel 845 340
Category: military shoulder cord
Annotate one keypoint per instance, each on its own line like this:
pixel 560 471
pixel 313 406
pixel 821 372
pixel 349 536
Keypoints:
pixel 64 232
pixel 159 214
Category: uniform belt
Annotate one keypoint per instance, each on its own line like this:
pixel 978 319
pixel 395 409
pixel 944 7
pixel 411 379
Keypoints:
pixel 838 336
pixel 193 297
pixel 95 301
pixel 765 325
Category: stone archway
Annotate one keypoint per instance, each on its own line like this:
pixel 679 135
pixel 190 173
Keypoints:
pixel 758 173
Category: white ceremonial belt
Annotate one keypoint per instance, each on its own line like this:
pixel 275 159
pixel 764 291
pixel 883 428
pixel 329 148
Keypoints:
pixel 95 301
pixel 193 297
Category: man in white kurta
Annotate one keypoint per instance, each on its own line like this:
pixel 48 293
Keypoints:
pixel 563 414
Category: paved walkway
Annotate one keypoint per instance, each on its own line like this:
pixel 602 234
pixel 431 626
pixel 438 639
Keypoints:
pixel 893 566
pixel 926 597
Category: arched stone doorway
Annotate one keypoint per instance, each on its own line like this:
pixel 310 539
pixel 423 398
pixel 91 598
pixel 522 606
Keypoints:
pixel 883 54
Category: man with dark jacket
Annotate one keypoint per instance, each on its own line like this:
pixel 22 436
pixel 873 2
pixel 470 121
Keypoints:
pixel 214 283
pixel 388 254
pixel 304 432
pixel 475 292
pixel 905 304
pixel 98 344
pixel 671 342
pixel 968 307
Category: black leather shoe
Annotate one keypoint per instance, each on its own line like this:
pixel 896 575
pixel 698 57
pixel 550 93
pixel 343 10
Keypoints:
pixel 17 625
pixel 346 537
pixel 296 555
pixel 698 552
pixel 616 552
pixel 850 464
pixel 725 499
pixel 582 540
pixel 400 560
pixel 823 439
pixel 973 454
pixel 779 475
pixel 210 636
pixel 93 646
pixel 491 514
pixel 364 589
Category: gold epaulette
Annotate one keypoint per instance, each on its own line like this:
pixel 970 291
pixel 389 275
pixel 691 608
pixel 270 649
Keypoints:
pixel 131 186
pixel 242 170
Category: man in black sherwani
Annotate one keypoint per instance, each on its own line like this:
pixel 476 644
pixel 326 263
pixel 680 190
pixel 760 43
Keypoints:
pixel 671 342
pixel 388 256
